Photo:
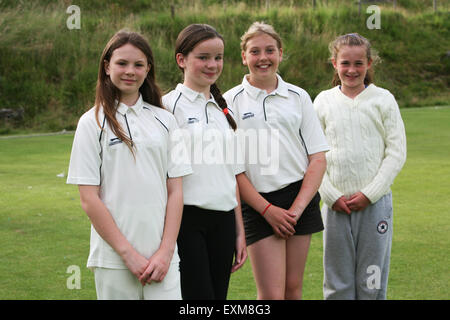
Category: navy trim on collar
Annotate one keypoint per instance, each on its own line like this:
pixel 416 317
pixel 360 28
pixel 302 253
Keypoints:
pixel 154 115
pixel 239 92
pixel 176 101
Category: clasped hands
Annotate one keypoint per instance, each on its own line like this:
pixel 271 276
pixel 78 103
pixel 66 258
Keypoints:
pixel 356 202
pixel 282 221
pixel 148 270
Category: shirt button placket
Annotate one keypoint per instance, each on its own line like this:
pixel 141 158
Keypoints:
pixel 132 123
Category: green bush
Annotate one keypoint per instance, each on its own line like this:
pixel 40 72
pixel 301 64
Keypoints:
pixel 51 71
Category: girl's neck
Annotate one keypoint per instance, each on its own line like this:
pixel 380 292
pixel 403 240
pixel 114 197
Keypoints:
pixel 269 84
pixel 205 90
pixel 352 92
pixel 129 100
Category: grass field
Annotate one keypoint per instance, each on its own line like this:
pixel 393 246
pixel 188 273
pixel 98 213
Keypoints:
pixel 43 229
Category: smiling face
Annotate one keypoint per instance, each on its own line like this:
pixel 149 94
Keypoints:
pixel 262 57
pixel 351 65
pixel 127 69
pixel 203 65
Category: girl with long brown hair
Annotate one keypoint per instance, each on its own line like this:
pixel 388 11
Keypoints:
pixel 130 185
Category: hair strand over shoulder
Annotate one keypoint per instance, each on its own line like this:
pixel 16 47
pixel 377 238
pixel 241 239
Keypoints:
pixel 108 95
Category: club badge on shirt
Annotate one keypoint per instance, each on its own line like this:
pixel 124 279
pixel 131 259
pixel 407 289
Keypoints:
pixel 193 120
pixel 248 115
pixel 114 141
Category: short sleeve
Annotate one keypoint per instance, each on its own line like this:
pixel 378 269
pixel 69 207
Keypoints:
pixel 179 163
pixel 310 129
pixel 85 159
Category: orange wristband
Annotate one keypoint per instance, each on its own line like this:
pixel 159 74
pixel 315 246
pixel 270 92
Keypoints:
pixel 264 211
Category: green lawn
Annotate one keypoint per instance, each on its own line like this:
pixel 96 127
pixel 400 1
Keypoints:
pixel 43 229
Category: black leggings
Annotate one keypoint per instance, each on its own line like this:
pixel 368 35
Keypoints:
pixel 206 245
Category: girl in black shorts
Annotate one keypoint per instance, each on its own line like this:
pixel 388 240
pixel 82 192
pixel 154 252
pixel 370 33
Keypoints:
pixel 280 189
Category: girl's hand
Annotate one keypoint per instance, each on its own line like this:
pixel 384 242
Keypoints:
pixel 157 268
pixel 357 202
pixel 281 220
pixel 341 206
pixel 296 212
pixel 135 262
pixel 240 254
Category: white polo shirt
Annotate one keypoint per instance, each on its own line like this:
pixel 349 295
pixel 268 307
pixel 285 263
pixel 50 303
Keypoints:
pixel 213 146
pixel 133 189
pixel 280 130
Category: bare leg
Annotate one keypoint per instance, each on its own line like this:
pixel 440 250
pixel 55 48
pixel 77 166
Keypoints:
pixel 297 251
pixel 268 259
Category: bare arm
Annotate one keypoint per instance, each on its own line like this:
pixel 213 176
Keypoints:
pixel 241 247
pixel 105 226
pixel 311 183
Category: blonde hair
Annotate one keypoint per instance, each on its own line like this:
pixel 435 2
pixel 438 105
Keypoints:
pixel 258 28
pixel 354 39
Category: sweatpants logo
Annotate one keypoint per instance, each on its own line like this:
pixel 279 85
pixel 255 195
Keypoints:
pixel 374 280
pixel 382 227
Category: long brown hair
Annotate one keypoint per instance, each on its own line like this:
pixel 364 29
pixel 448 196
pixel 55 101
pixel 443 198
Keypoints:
pixel 107 94
pixel 188 38
pixel 353 39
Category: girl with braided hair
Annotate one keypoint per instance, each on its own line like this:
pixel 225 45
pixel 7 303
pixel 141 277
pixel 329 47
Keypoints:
pixel 211 231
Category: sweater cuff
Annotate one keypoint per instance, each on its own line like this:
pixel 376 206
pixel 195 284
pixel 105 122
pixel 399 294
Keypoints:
pixel 329 196
pixel 374 192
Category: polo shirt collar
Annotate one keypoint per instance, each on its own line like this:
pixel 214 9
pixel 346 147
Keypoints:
pixel 137 107
pixel 193 95
pixel 281 90
pixel 190 94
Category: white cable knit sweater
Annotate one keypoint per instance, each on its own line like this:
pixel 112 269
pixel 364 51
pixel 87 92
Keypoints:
pixel 367 142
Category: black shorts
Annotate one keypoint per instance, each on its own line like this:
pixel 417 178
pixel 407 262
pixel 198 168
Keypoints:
pixel 257 228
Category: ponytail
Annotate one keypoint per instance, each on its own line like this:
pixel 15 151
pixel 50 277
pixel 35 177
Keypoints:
pixel 222 104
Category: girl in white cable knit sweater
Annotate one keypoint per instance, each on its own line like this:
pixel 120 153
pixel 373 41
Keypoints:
pixel 365 131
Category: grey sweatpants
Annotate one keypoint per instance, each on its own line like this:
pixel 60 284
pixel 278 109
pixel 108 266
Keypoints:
pixel 357 249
